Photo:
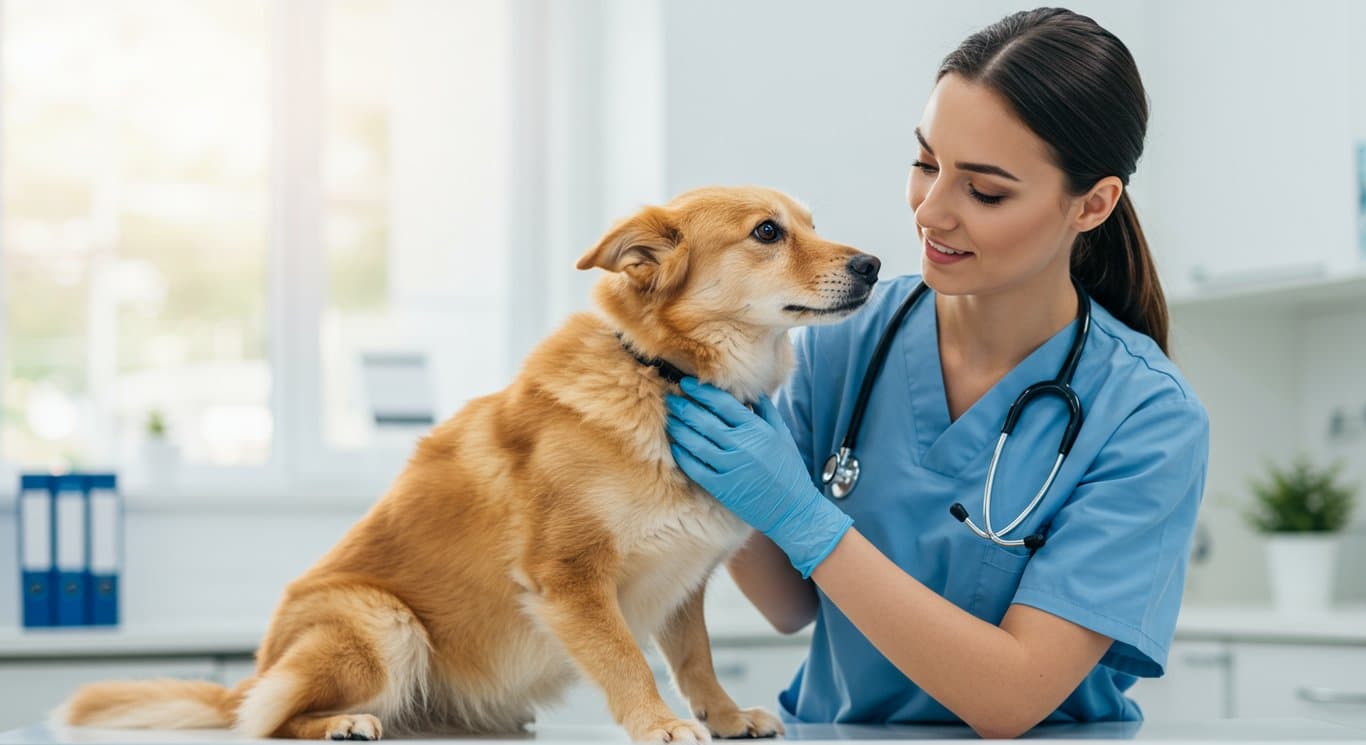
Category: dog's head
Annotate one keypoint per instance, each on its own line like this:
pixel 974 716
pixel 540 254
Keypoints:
pixel 714 277
pixel 747 256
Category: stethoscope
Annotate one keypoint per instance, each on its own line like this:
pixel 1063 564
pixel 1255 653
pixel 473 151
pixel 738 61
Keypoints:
pixel 841 471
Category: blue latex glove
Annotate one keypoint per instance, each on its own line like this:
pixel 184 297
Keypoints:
pixel 749 462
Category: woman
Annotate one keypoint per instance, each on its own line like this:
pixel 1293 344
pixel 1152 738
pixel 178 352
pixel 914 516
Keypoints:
pixel 1026 145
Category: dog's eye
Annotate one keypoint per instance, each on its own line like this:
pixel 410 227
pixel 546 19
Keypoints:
pixel 767 232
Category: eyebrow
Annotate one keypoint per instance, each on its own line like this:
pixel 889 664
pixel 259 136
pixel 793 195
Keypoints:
pixel 986 168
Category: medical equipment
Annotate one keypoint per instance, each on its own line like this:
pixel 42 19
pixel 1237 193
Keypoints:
pixel 841 470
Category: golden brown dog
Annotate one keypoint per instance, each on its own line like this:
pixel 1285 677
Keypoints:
pixel 543 530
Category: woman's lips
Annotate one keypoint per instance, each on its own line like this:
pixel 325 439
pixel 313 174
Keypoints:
pixel 939 257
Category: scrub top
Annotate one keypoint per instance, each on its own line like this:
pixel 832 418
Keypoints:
pixel 1120 515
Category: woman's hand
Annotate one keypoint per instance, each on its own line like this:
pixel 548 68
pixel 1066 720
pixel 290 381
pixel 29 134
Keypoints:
pixel 749 462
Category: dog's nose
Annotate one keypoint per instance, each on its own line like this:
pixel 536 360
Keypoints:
pixel 864 266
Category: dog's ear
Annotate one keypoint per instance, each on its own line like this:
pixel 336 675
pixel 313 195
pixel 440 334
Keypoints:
pixel 645 247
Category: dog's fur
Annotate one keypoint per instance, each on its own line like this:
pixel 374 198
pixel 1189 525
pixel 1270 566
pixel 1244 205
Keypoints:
pixel 544 529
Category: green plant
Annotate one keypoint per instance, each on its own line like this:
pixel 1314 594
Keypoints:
pixel 1302 498
pixel 156 425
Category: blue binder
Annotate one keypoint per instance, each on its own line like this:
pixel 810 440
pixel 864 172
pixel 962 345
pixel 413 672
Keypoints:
pixel 106 548
pixel 37 536
pixel 71 505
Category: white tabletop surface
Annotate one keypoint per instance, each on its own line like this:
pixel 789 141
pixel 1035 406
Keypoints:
pixel 1333 626
pixel 1225 730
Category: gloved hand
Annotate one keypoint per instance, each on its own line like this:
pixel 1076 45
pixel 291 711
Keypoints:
pixel 751 465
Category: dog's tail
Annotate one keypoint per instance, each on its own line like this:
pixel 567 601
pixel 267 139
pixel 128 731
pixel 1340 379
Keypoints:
pixel 151 704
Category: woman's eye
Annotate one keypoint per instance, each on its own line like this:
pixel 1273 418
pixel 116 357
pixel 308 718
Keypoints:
pixel 767 232
pixel 924 167
pixel 985 198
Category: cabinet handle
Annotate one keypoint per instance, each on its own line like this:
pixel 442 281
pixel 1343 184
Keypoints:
pixel 1319 695
pixel 732 671
pixel 1213 659
pixel 1256 277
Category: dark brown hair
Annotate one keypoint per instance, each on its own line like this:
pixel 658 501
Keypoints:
pixel 1076 86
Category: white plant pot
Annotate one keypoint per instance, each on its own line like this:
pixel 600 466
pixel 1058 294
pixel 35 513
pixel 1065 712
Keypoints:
pixel 160 461
pixel 1302 570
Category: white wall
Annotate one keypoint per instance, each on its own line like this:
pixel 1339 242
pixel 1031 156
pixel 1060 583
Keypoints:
pixel 645 99
pixel 820 100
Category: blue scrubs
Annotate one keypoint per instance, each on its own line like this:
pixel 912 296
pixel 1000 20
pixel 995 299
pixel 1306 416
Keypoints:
pixel 1121 512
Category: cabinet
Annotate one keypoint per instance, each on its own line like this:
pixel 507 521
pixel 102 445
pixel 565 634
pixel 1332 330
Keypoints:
pixel 234 670
pixel 30 690
pixel 1295 680
pixel 1244 679
pixel 1252 170
pixel 1196 686
pixel 753 676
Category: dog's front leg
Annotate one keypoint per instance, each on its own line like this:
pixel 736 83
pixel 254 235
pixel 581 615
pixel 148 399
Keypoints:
pixel 581 609
pixel 685 643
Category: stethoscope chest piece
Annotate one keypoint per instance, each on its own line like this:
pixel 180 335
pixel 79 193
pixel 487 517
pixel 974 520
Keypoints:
pixel 840 473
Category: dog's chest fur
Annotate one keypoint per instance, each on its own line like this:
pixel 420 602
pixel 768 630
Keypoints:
pixel 669 552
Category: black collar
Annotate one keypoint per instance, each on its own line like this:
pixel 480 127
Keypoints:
pixel 666 370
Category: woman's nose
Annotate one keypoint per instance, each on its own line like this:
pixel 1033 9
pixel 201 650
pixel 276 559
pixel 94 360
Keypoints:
pixel 931 211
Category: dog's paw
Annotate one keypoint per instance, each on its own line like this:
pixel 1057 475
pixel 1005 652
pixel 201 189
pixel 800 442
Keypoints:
pixel 665 728
pixel 742 723
pixel 352 727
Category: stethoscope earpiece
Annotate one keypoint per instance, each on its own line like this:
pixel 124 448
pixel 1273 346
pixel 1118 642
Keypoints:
pixel 841 470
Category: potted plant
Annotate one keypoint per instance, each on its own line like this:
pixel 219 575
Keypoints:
pixel 160 456
pixel 1301 508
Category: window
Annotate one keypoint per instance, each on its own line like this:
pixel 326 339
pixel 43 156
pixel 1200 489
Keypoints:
pixel 215 211
pixel 134 212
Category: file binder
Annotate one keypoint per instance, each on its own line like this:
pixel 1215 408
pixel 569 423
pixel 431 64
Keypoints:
pixel 106 549
pixel 36 550
pixel 73 549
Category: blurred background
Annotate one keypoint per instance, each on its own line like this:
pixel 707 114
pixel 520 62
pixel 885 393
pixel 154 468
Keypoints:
pixel 250 250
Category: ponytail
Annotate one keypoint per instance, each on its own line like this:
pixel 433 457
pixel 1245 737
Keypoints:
pixel 1113 264
pixel 1076 86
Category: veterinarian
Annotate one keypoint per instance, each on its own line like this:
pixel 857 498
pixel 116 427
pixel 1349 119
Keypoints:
pixel 1026 146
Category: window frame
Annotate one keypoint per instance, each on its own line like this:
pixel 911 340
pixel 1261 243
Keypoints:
pixel 301 470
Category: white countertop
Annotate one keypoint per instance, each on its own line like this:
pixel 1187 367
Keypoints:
pixel 1225 730
pixel 1345 625
pixel 1337 626
pixel 235 641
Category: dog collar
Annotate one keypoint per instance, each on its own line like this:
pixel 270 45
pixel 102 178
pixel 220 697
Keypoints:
pixel 666 370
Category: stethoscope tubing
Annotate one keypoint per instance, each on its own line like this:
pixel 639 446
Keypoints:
pixel 842 469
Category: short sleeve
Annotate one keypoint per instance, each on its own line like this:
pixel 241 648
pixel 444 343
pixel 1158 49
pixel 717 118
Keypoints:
pixel 1115 560
pixel 793 399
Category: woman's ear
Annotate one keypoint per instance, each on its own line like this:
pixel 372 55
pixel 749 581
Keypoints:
pixel 645 247
pixel 1098 203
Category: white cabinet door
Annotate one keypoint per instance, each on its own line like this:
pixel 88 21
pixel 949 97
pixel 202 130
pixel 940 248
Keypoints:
pixel 1300 680
pixel 756 675
pixel 752 676
pixel 234 670
pixel 1195 687
pixel 1249 175
pixel 30 690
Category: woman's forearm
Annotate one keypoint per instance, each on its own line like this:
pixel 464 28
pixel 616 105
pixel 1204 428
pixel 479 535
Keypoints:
pixel 999 683
pixel 765 575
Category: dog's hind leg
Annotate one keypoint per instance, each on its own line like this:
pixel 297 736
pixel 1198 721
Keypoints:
pixel 329 668
pixel 331 727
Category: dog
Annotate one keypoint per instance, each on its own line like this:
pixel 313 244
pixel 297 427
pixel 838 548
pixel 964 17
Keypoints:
pixel 543 530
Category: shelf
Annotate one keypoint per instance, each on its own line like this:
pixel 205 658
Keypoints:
pixel 1302 296
pixel 208 641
